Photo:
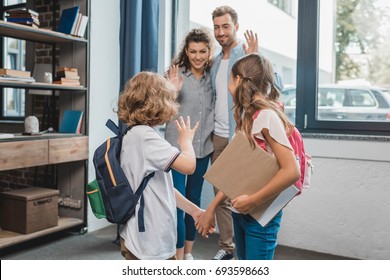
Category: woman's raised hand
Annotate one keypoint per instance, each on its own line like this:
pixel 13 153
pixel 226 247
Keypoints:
pixel 173 77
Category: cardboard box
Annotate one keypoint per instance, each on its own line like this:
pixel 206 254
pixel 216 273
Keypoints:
pixel 241 169
pixel 29 210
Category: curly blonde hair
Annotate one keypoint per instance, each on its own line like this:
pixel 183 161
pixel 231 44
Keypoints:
pixel 148 99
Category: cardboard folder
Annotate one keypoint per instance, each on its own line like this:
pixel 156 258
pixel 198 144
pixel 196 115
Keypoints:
pixel 240 169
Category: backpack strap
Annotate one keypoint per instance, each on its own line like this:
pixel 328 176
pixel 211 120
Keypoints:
pixel 142 186
pixel 112 126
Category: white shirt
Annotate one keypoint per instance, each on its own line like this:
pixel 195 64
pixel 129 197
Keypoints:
pixel 270 120
pixel 144 151
pixel 221 121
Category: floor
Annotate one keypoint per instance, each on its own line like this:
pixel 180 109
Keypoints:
pixel 99 245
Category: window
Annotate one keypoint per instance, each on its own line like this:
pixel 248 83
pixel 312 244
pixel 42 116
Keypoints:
pixel 341 82
pixel 13 56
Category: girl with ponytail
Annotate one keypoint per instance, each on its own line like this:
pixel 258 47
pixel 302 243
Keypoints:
pixel 261 119
pixel 259 116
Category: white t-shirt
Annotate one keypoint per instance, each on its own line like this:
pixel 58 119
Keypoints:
pixel 144 151
pixel 270 120
pixel 221 121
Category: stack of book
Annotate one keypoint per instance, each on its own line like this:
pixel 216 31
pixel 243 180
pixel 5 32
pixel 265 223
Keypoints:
pixel 73 22
pixel 16 75
pixel 67 76
pixel 24 16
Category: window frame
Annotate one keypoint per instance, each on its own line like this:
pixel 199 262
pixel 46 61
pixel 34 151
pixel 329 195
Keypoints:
pixel 307 80
pixel 19 61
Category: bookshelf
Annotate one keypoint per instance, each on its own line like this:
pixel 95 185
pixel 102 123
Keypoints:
pixel 65 153
pixel 41 35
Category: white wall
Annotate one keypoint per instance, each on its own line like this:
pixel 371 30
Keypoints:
pixel 104 80
pixel 345 212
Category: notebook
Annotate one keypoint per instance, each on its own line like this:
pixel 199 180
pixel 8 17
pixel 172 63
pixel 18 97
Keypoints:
pixel 71 122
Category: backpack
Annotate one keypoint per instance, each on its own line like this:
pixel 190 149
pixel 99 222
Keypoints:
pixel 303 159
pixel 110 194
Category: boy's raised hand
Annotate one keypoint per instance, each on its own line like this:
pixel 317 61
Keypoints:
pixel 186 133
pixel 252 41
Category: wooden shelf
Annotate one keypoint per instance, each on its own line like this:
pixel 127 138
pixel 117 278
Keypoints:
pixel 43 86
pixel 19 31
pixel 8 238
pixel 63 155
pixel 41 151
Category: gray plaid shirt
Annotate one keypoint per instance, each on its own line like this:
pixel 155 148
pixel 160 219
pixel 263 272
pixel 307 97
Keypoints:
pixel 195 99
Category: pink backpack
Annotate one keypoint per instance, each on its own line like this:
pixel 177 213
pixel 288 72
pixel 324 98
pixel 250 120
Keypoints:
pixel 304 160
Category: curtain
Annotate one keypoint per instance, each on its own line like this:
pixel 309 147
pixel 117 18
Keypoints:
pixel 138 37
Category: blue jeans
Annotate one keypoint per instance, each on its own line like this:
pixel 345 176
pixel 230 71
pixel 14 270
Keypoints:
pixel 254 242
pixel 189 186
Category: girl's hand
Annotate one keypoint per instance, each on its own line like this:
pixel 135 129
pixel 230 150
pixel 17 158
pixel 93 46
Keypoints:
pixel 252 41
pixel 186 133
pixel 243 204
pixel 205 224
pixel 173 77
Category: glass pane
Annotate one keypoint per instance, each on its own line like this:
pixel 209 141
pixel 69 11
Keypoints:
pixel 13 2
pixel 354 44
pixel 13 102
pixel 275 22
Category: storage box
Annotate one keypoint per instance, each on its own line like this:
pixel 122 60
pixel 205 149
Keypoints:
pixel 28 210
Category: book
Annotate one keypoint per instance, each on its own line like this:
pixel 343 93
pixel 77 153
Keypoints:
pixel 66 83
pixel 25 15
pixel 67 74
pixel 23 11
pixel 68 19
pixel 83 26
pixel 22 19
pixel 70 79
pixel 16 78
pixel 15 73
pixel 67 69
pixel 240 169
pixel 71 122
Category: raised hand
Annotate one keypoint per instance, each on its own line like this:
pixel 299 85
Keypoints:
pixel 186 133
pixel 252 42
pixel 173 77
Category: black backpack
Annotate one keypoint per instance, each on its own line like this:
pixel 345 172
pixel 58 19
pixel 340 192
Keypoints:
pixel 110 194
